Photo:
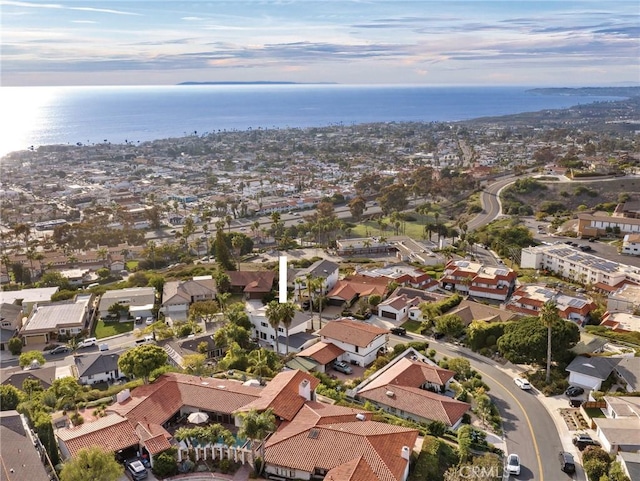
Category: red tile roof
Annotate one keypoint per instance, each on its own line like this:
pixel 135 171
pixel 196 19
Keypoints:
pixel 110 433
pixel 282 394
pixel 322 352
pixel 252 281
pixel 341 446
pixel 419 402
pixel 348 331
pixel 407 372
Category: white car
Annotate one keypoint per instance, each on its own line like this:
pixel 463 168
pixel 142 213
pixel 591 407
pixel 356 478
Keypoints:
pixel 513 464
pixel 88 342
pixel 522 383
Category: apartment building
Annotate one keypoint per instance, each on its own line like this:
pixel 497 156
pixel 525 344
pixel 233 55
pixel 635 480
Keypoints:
pixel 478 280
pixel 578 266
pixel 529 300
pixel 631 245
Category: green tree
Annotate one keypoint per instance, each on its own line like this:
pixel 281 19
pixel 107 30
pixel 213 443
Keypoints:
pixel 10 397
pixel 256 426
pixel 287 314
pixel 194 364
pixel 26 358
pixel 548 316
pixel 595 469
pixel 274 316
pixel 91 463
pixel 141 361
pixel 165 464
pixel 357 206
pixel 15 346
pixel 525 341
pixel 462 368
pixel 450 325
pixel 66 390
pixel 223 257
pixel 204 310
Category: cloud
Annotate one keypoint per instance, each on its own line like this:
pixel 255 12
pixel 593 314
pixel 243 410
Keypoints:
pixel 83 21
pixel 191 19
pixel 63 7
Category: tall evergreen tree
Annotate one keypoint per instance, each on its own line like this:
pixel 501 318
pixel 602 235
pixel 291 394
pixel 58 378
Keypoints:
pixel 223 256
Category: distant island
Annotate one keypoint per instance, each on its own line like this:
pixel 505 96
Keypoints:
pixel 260 82
pixel 595 91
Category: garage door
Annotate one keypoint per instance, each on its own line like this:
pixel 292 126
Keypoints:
pixel 389 315
pixel 35 339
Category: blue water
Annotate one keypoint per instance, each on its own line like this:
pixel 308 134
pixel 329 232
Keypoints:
pixel 67 115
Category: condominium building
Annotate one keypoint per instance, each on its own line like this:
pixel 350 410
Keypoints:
pixel 529 300
pixel 578 266
pixel 478 280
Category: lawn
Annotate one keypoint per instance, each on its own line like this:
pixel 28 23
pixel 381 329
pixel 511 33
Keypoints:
pixel 107 329
pixel 594 413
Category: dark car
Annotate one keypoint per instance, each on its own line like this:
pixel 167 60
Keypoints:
pixel 567 464
pixel 575 403
pixel 583 440
pixel 399 331
pixel 438 335
pixel 59 349
pixel 573 391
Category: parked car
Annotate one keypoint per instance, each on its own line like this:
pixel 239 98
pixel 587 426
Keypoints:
pixel 575 403
pixel 513 464
pixel 567 464
pixel 581 441
pixel 136 469
pixel 522 383
pixel 573 391
pixel 88 342
pixel 400 331
pixel 342 367
pixel 104 347
pixel 149 320
pixel 59 349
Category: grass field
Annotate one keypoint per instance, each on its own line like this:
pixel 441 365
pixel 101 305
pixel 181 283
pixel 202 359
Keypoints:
pixel 103 329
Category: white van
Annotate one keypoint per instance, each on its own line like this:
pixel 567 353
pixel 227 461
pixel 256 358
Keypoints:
pixel 144 340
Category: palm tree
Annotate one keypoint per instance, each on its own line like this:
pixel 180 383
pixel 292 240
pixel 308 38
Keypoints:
pixel 274 316
pixel 317 284
pixel 256 427
pixel 548 316
pixel 287 313
pixel 309 279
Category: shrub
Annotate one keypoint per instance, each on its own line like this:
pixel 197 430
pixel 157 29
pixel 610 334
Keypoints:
pixel 225 466
pixel 165 464
pixel 15 346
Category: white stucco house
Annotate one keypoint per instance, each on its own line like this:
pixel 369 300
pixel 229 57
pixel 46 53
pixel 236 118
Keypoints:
pixel 360 341
pixel 591 372
pixel 264 333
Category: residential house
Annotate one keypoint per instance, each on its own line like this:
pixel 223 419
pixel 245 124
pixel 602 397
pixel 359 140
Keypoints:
pixel 320 355
pixel 337 442
pixel 621 322
pixel 631 245
pixel 323 269
pixel 139 300
pixel 348 290
pixel 529 299
pixel 178 349
pixel 63 319
pixel 630 463
pixel 397 307
pixel 27 298
pixel 470 311
pixel 265 333
pixel 628 372
pixel 21 454
pixel 412 387
pixel 625 299
pixel 477 280
pixel 10 323
pixel 591 372
pixel 579 266
pixel 97 367
pixel 177 296
pixel 402 274
pixel 253 284
pixel 16 376
pixel 359 341
pixel 619 431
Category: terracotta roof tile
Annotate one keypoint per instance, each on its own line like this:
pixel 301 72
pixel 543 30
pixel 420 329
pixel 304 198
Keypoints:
pixel 407 372
pixel 322 352
pixel 110 433
pixel 352 332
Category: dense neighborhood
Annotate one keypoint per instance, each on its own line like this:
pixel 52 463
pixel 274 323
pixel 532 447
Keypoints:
pixel 325 303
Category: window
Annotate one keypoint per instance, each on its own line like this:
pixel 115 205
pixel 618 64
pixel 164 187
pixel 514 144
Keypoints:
pixel 264 324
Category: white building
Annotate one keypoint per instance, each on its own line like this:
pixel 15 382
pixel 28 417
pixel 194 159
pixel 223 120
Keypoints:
pixel 631 245
pixel 571 263
pixel 263 331
pixel 140 301
pixel 625 299
pixel 359 341
pixel 52 321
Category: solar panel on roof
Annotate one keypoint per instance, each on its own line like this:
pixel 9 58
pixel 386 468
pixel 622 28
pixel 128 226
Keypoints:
pixel 463 264
pixel 501 272
pixel 313 433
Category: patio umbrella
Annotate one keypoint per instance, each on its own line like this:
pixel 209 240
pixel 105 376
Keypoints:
pixel 198 418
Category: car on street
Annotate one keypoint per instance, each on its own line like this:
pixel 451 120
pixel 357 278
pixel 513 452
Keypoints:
pixel 399 331
pixel 513 464
pixel 59 349
pixel 581 441
pixel 149 320
pixel 522 383
pixel 342 367
pixel 567 464
pixel 88 342
pixel 573 391
pixel 136 469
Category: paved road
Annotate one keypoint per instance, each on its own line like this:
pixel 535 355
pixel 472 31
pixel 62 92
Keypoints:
pixel 528 428
pixel 490 201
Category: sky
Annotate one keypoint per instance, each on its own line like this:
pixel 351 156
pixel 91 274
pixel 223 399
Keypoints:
pixel 421 42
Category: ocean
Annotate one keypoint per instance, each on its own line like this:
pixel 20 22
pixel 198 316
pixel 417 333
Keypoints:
pixel 33 116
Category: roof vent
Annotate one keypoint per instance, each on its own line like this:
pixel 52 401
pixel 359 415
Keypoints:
pixel 360 417
pixel 390 393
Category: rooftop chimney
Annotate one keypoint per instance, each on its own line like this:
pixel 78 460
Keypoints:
pixel 304 389
pixel 405 452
